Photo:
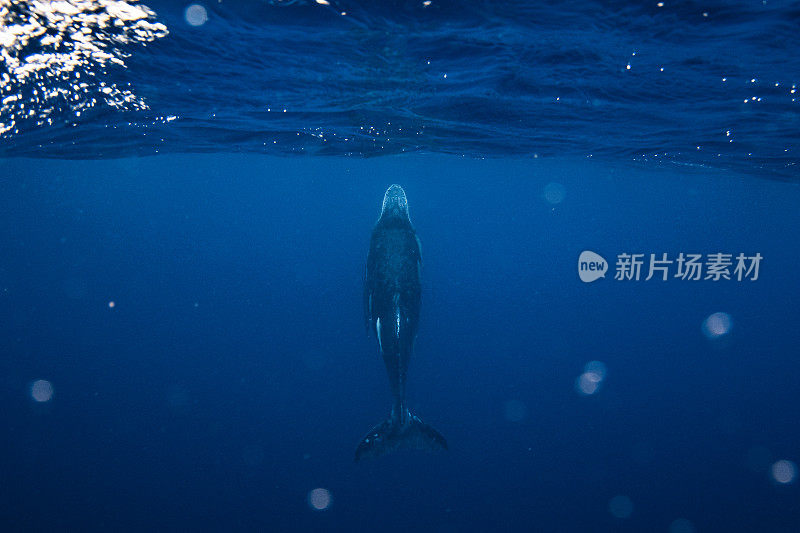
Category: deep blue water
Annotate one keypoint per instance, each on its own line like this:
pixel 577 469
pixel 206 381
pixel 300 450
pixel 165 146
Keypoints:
pixel 182 342
pixel 233 374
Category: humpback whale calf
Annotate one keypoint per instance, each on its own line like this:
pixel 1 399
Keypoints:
pixel 391 307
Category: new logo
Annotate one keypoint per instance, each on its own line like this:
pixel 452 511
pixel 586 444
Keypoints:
pixel 591 266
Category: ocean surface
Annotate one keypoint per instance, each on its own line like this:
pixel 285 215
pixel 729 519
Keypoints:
pixel 607 197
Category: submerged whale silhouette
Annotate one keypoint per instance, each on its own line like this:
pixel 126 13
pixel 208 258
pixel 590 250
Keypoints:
pixel 391 307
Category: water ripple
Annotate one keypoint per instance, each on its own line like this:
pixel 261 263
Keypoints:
pixel 709 84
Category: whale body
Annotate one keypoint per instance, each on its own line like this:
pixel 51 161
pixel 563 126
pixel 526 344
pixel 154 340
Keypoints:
pixel 392 298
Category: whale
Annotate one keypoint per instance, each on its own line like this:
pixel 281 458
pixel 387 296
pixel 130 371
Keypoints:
pixel 392 300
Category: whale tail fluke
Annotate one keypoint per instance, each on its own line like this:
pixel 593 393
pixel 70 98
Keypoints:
pixel 394 434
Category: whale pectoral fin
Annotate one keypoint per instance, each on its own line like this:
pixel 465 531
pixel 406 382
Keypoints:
pixel 368 311
pixel 378 333
pixel 391 435
pixel 367 306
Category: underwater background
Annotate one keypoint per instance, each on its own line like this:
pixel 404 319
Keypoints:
pixel 186 199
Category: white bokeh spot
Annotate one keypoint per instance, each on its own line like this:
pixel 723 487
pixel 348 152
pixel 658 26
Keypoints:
pixel 319 499
pixel 717 325
pixel 196 15
pixel 783 471
pixel 42 390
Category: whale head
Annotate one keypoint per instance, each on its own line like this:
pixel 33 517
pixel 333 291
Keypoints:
pixel 395 202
